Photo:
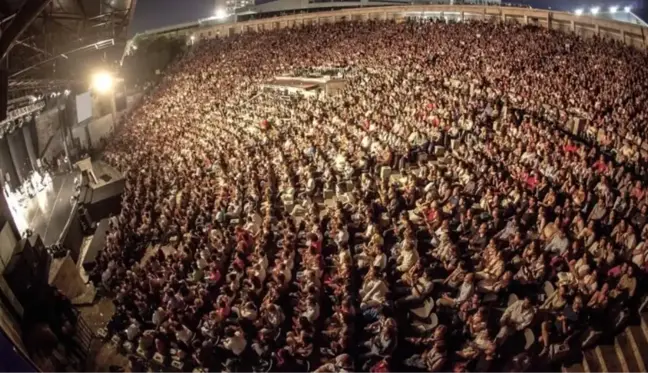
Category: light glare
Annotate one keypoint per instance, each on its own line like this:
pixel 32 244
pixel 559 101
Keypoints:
pixel 613 9
pixel 595 10
pixel 578 12
pixel 627 9
pixel 220 14
pixel 102 82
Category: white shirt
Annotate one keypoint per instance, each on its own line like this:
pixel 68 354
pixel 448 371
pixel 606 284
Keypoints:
pixel 465 291
pixel 312 313
pixel 158 317
pixel 132 331
pixel 342 237
pixel 184 335
pixel 249 313
pixel 236 344
pixel 106 275
pixel 408 260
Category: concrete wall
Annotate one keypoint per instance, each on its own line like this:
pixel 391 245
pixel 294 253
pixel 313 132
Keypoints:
pixel 50 141
pixel 584 25
pixel 65 276
pixel 47 126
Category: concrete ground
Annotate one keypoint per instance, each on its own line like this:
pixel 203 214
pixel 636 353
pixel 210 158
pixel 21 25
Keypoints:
pixel 102 354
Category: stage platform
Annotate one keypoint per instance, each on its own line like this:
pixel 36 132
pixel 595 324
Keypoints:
pixel 47 213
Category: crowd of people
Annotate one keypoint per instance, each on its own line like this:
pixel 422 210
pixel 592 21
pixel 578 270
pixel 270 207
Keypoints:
pixel 438 213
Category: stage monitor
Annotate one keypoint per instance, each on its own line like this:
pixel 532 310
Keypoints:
pixel 83 106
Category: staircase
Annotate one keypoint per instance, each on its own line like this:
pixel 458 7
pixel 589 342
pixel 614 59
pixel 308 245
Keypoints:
pixel 627 353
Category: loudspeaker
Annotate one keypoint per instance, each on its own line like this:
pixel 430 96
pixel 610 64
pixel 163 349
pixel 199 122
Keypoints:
pixel 73 236
pixel 120 102
pixel 97 244
pixel 28 270
pixel 105 200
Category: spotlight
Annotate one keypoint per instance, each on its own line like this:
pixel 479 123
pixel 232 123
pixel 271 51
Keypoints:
pixel 595 10
pixel 102 82
pixel 578 12
pixel 220 14
pixel 613 9
pixel 627 9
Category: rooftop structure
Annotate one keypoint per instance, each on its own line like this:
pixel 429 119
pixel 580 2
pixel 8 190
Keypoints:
pixel 45 44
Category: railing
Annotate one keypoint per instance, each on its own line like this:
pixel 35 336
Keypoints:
pixel 81 343
pixel 84 335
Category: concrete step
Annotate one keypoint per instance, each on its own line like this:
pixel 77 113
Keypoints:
pixel 626 353
pixel 639 344
pixel 574 368
pixel 609 357
pixel 592 362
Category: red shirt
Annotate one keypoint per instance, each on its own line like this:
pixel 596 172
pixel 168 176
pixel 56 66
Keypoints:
pixel 600 166
pixel 569 148
pixel 431 215
pixel 215 276
pixel 317 245
pixel 532 181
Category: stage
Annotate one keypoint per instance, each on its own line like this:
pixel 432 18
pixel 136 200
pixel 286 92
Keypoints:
pixel 47 212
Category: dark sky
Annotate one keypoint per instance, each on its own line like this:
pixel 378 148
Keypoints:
pixel 151 14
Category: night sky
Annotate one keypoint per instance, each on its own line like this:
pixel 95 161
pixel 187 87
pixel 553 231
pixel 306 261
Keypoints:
pixel 151 14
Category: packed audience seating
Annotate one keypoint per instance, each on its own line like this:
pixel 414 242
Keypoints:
pixel 432 216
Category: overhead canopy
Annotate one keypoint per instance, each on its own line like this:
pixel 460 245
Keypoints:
pixel 48 43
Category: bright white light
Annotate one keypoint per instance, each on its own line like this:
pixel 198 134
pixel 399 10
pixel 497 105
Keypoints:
pixel 613 9
pixel 595 10
pixel 67 92
pixel 102 82
pixel 193 37
pixel 578 12
pixel 627 9
pixel 220 14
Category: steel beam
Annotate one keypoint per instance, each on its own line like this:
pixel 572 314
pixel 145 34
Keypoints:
pixel 20 42
pixel 98 45
pixel 25 16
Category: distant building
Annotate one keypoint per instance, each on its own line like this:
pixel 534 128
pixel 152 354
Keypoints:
pixel 232 5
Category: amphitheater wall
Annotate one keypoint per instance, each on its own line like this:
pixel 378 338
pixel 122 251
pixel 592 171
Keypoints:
pixel 586 26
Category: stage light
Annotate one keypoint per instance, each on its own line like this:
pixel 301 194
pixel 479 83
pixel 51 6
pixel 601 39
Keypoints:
pixel 220 14
pixel 595 10
pixel 578 12
pixel 627 9
pixel 193 37
pixel 613 9
pixel 102 82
